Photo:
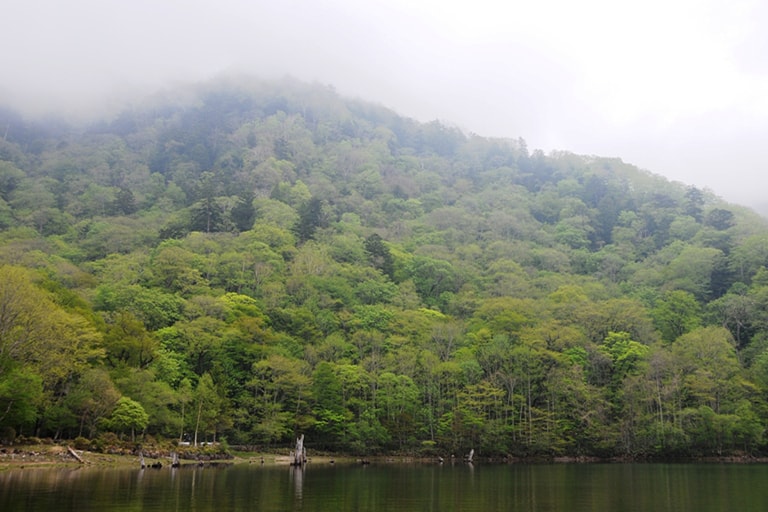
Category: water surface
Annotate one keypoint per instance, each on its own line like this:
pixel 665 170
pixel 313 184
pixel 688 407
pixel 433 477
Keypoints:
pixel 384 487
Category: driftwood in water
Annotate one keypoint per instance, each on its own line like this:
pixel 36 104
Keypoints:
pixel 75 455
pixel 299 455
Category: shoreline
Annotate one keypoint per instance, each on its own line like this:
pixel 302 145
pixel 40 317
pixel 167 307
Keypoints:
pixel 59 456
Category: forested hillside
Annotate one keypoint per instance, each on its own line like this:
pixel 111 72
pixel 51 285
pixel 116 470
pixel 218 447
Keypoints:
pixel 251 261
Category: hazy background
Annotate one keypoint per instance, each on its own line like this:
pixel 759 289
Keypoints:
pixel 677 87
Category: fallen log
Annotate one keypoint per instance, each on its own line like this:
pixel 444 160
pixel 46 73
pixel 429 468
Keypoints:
pixel 74 454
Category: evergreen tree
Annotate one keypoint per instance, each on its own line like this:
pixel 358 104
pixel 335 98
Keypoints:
pixel 379 255
pixel 310 219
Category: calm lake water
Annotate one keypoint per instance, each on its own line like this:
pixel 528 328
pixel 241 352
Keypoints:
pixel 395 487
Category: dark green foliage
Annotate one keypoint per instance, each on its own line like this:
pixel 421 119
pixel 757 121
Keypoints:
pixel 719 219
pixel 125 202
pixel 694 203
pixel 156 308
pixel 10 177
pixel 310 219
pixel 433 278
pixel 379 255
pixel 243 213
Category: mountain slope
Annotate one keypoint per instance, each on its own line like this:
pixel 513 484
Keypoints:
pixel 258 260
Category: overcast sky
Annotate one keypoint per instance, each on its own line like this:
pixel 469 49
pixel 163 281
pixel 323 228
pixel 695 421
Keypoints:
pixel 677 87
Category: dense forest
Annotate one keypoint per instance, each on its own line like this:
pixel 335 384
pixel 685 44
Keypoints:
pixel 247 261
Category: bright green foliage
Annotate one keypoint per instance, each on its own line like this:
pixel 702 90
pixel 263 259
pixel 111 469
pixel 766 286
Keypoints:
pixel 675 314
pixel 281 391
pixel 268 260
pixel 128 415
pixel 624 353
pixel 208 410
pixel 21 393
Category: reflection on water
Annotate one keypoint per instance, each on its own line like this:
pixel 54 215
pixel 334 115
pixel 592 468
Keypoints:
pixel 380 487
pixel 297 475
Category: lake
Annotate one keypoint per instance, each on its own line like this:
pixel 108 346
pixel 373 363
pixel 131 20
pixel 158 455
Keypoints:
pixel 390 486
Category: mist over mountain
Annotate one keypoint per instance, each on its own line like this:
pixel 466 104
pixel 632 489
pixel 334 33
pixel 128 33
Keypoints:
pixel 687 103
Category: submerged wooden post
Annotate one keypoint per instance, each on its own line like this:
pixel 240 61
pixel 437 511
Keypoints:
pixel 299 455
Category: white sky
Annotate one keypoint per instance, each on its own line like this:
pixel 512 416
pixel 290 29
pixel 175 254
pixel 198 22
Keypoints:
pixel 678 87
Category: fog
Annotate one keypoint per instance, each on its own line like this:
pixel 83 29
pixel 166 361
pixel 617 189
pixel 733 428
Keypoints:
pixel 676 87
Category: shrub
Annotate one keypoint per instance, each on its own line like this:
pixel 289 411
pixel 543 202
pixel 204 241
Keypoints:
pixel 81 443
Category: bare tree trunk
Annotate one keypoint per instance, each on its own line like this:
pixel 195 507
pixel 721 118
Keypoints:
pixel 181 430
pixel 299 455
pixel 197 423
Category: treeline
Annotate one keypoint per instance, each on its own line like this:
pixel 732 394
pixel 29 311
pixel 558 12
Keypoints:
pixel 261 260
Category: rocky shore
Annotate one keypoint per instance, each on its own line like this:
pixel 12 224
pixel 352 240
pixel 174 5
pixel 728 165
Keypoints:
pixel 59 455
pixel 53 455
